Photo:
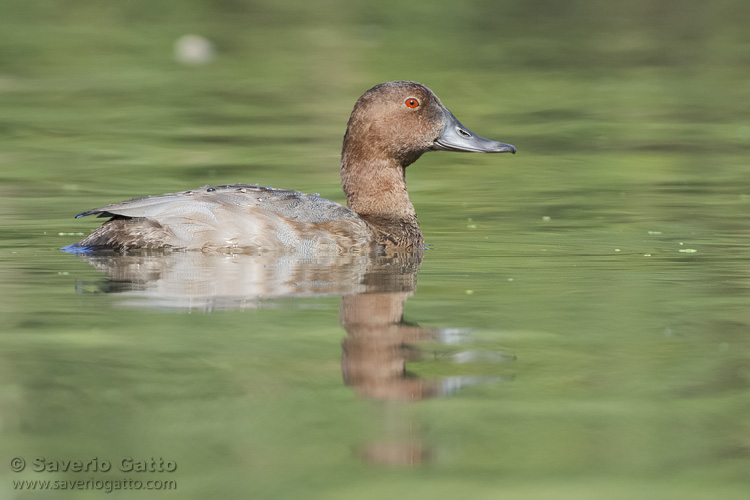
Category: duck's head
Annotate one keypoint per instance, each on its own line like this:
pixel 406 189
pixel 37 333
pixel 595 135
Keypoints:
pixel 402 120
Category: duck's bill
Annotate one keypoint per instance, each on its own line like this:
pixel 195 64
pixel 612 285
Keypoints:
pixel 456 137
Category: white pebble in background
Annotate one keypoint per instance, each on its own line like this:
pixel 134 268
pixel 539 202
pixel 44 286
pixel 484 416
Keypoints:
pixel 194 49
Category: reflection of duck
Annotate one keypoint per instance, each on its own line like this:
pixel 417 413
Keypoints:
pixel 391 126
pixel 379 344
pixel 375 351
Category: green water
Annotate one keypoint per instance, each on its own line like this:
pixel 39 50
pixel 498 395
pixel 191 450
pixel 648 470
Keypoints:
pixel 582 311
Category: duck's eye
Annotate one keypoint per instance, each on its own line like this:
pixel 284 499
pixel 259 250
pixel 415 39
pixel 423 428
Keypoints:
pixel 412 102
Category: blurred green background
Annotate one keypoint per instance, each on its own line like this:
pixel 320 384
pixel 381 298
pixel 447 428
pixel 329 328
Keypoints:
pixel 609 255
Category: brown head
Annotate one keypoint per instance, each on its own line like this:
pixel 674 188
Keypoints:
pixel 391 126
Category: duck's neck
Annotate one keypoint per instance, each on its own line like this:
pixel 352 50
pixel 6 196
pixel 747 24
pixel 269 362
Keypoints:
pixel 376 190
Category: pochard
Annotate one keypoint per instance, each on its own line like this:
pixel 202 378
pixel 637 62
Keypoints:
pixel 391 126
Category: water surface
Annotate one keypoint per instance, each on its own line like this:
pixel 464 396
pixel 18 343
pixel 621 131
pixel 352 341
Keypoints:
pixel 577 329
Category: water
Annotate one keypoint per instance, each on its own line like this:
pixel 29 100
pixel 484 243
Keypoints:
pixel 577 329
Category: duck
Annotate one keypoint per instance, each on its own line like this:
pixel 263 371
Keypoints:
pixel 391 126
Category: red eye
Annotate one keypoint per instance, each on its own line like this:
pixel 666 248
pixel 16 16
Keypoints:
pixel 412 103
